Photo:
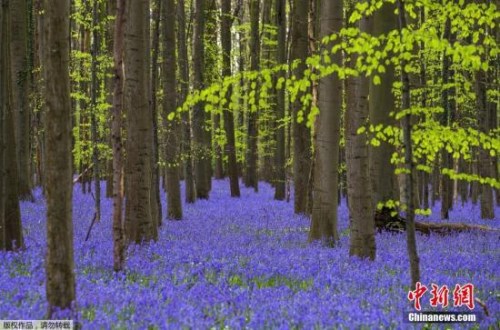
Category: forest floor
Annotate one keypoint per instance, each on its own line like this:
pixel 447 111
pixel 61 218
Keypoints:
pixel 246 262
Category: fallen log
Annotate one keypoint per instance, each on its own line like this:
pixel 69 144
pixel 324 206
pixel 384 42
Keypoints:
pixel 386 221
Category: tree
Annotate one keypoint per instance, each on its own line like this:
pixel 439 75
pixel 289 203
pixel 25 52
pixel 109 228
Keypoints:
pixel 20 93
pixel 232 167
pixel 3 91
pixel 326 162
pixel 174 205
pixel 183 92
pixel 139 222
pixel 301 133
pixel 116 138
pixel 155 157
pixel 58 176
pixel 251 173
pixel 93 104
pixel 280 171
pixel 381 103
pixel 409 163
pixel 200 144
pixel 11 213
pixel 361 211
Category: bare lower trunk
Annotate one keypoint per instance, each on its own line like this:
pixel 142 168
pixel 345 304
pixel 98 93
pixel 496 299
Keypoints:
pixel 184 88
pixel 301 133
pixel 116 139
pixel 280 170
pixel 361 211
pixel 139 222
pixel 174 205
pixel 232 166
pixel 20 93
pixel 409 164
pixel 58 183
pixel 324 209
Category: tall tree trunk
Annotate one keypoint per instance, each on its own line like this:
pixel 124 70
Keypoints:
pixel 20 90
pixel 174 205
pixel 251 173
pixel 361 211
pixel 12 214
pixel 409 164
pixel 155 180
pixel 301 133
pixel 324 209
pixel 232 167
pixel 93 103
pixel 58 183
pixel 200 144
pixel 184 89
pixel 280 168
pixel 446 120
pixel 2 125
pixel 484 165
pixel 116 138
pixel 139 222
pixel 381 103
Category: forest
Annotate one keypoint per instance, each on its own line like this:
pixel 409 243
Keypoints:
pixel 249 164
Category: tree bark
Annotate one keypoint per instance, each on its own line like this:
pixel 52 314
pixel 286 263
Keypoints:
pixel 184 89
pixel 174 205
pixel 301 133
pixel 448 94
pixel 200 144
pixel 2 130
pixel 12 214
pixel 58 183
pixel 116 138
pixel 280 168
pixel 155 183
pixel 93 103
pixel 381 103
pixel 20 92
pixel 251 172
pixel 361 210
pixel 326 162
pixel 232 167
pixel 409 164
pixel 139 222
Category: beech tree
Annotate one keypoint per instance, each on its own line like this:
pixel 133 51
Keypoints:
pixel 140 223
pixel 58 176
pixel 174 206
pixel 326 149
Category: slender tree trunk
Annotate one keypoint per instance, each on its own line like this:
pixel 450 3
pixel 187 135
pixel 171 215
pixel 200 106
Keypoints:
pixel 446 120
pixel 280 168
pixel 93 102
pixel 116 138
pixel 184 89
pixel 381 104
pixel 12 214
pixel 20 91
pixel 251 173
pixel 484 166
pixel 174 205
pixel 361 211
pixel 3 90
pixel 155 183
pixel 301 133
pixel 232 167
pixel 139 222
pixel 200 144
pixel 409 164
pixel 324 210
pixel 58 183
